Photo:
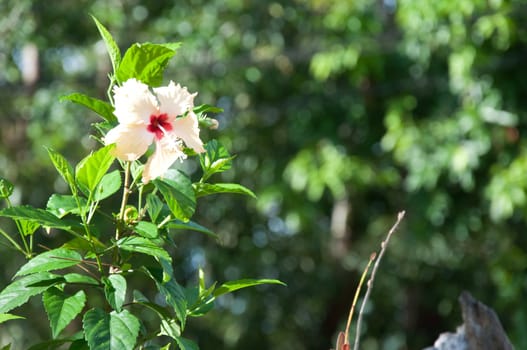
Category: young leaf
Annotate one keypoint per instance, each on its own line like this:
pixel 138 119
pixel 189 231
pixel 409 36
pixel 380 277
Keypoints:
pixel 102 108
pixel 18 292
pixel 64 168
pixel 36 215
pixel 7 317
pixel 110 183
pixel 231 286
pixel 62 205
pixel 175 296
pixel 61 308
pixel 216 159
pixel 146 62
pixel 191 225
pixel 146 229
pixel 6 188
pixel 153 206
pixel 91 169
pixel 205 189
pixel 115 291
pixel 111 46
pixel 51 260
pixel 170 328
pixel 110 331
pixel 142 245
pixel 179 195
pixel 28 227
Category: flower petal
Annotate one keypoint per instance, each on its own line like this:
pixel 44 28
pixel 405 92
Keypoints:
pixel 167 152
pixel 134 103
pixel 174 99
pixel 131 141
pixel 187 129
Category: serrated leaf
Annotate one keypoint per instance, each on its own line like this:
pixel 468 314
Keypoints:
pixel 111 45
pixel 146 62
pixel 175 296
pixel 110 183
pixel 110 331
pixel 191 225
pixel 90 170
pixel 115 291
pixel 154 206
pixel 28 227
pixel 7 317
pixel 186 344
pixel 19 291
pixel 205 189
pixel 61 308
pixel 216 159
pixel 142 245
pixel 62 205
pixel 36 215
pixel 64 169
pixel 77 278
pixel 231 286
pixel 51 260
pixel 146 229
pixel 6 188
pixel 178 193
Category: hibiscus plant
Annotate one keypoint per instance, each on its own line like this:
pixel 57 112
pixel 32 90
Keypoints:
pixel 90 278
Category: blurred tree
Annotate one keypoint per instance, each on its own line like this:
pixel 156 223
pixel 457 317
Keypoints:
pixel 341 113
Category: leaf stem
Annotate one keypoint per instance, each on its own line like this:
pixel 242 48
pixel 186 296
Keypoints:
pixel 27 251
pixel 13 242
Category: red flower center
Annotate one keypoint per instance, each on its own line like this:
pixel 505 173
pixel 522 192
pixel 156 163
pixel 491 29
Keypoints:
pixel 159 124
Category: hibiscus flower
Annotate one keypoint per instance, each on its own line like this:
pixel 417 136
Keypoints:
pixel 163 116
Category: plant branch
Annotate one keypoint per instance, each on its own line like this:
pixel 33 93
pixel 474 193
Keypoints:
pixel 384 244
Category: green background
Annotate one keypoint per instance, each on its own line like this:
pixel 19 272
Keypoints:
pixel 341 114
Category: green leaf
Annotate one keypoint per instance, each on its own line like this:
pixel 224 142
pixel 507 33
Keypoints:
pixel 186 344
pixel 90 170
pixel 115 291
pixel 6 188
pixel 102 108
pixel 111 46
pixel 191 225
pixel 28 227
pixel 110 183
pixel 142 245
pixel 51 260
pixel 64 168
pixel 61 308
pixel 170 328
pixel 175 296
pixel 19 291
pixel 7 317
pixel 154 206
pixel 205 108
pixel 56 344
pixel 231 286
pixel 146 62
pixel 77 278
pixel 178 193
pixel 6 347
pixel 35 215
pixel 110 331
pixel 62 205
pixel 216 159
pixel 205 189
pixel 146 229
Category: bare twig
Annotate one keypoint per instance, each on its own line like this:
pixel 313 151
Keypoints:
pixel 384 244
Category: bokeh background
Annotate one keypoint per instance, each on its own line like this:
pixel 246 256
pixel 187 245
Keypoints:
pixel 341 113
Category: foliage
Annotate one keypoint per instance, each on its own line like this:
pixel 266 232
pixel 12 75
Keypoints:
pixel 94 261
pixel 420 104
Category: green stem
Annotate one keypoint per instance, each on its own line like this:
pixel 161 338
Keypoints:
pixel 27 251
pixel 14 243
pixel 126 193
